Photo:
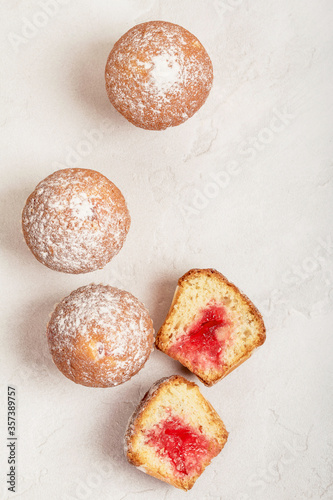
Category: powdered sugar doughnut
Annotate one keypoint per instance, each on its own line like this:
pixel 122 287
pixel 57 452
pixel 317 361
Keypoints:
pixel 75 221
pixel 158 75
pixel 100 336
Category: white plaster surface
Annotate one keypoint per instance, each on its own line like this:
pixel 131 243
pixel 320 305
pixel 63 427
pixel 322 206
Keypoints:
pixel 245 186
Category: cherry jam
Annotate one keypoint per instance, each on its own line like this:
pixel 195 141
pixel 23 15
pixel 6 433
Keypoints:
pixel 204 341
pixel 185 447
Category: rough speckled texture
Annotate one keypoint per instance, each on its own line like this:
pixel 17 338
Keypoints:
pixel 158 75
pixel 100 336
pixel 209 193
pixel 75 221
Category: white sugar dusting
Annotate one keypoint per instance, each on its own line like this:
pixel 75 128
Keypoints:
pixel 100 350
pixel 166 71
pixel 100 327
pixel 81 206
pixel 158 75
pixel 75 221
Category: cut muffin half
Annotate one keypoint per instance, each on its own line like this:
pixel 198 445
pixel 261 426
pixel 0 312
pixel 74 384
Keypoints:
pixel 211 327
pixel 174 433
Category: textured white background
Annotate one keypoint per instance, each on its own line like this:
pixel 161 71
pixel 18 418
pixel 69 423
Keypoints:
pixel 264 135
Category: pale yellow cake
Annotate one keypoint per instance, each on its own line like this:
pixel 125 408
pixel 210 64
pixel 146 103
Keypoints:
pixel 174 433
pixel 211 327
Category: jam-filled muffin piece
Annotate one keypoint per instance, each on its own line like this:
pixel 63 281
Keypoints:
pixel 211 327
pixel 174 433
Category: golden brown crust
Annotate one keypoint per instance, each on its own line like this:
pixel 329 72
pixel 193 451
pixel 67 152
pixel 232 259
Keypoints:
pixel 138 420
pixel 162 340
pixel 158 75
pixel 75 221
pixel 100 336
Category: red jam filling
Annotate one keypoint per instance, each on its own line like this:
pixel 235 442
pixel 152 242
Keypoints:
pixel 181 444
pixel 204 341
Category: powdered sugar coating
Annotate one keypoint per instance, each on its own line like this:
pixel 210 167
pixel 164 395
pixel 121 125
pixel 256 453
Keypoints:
pixel 75 221
pixel 158 75
pixel 100 336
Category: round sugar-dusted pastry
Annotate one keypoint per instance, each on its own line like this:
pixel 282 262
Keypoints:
pixel 75 221
pixel 158 75
pixel 100 336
